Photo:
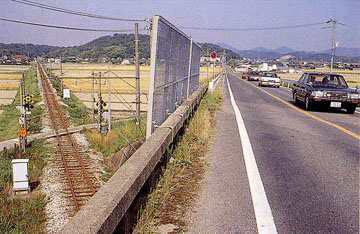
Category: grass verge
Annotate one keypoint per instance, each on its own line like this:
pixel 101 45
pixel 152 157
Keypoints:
pixel 75 108
pixel 25 215
pixel 178 188
pixel 115 140
pixel 9 122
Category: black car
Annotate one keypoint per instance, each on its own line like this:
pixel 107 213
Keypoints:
pixel 327 89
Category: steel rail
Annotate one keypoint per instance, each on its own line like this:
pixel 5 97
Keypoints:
pixel 59 122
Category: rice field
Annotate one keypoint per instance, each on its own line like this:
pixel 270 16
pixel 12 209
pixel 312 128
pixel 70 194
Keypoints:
pixel 123 85
pixel 82 87
pixel 351 77
pixel 10 76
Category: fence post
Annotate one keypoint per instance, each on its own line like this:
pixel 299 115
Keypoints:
pixel 137 74
pixel 189 72
pixel 153 46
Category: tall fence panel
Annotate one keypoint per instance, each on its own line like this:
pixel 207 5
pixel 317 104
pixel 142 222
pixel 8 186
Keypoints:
pixel 174 72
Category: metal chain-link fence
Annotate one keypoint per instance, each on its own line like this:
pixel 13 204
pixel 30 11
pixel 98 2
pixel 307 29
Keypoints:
pixel 174 71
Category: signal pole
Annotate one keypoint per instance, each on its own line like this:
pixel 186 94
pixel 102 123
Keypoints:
pixel 332 44
pixel 207 64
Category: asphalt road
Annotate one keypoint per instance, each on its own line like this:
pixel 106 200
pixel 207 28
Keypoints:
pixel 309 169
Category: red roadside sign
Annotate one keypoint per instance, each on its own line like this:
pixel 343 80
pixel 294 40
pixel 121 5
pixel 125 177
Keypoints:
pixel 213 55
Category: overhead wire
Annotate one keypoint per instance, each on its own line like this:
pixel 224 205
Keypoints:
pixel 67 11
pixel 255 29
pixel 66 27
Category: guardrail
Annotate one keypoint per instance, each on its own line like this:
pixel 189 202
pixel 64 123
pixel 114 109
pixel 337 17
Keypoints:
pixel 287 83
pixel 214 83
pixel 107 207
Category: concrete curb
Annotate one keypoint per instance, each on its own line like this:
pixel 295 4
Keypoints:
pixel 106 208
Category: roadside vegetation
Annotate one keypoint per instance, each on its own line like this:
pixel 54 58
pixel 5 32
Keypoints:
pixel 76 109
pixel 23 215
pixel 9 119
pixel 178 187
pixel 115 140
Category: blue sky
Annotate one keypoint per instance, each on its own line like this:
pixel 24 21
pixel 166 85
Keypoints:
pixel 193 13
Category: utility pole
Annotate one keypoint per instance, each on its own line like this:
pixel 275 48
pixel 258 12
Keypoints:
pixel 332 44
pixel 137 74
pixel 92 99
pixel 61 78
pixel 109 98
pixel 50 67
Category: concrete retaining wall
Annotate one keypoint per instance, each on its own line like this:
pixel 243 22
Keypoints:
pixel 107 207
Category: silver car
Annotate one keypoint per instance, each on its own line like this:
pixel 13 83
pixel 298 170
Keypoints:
pixel 269 79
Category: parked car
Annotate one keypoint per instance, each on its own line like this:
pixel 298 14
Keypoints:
pixel 269 79
pixel 328 89
pixel 245 75
pixel 254 76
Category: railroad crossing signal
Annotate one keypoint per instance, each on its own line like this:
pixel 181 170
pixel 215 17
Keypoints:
pixel 28 102
pixel 22 132
pixel 101 103
pixel 102 124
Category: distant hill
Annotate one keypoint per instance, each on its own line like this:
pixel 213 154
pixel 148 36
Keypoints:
pixel 27 49
pixel 209 47
pixel 342 54
pixel 114 46
pixel 284 50
pixel 342 51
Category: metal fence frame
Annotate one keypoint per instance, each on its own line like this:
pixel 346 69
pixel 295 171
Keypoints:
pixel 174 71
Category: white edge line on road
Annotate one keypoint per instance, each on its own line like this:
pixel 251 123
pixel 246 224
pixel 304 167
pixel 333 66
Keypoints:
pixel 264 218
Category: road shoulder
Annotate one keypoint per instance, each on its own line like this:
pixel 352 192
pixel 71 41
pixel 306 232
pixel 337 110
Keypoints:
pixel 224 204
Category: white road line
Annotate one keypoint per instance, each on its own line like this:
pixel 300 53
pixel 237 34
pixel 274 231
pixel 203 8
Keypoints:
pixel 264 218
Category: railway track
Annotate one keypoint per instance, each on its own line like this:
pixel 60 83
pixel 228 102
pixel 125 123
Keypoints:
pixel 80 183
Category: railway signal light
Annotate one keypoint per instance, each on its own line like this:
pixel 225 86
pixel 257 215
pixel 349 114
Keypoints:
pixel 28 102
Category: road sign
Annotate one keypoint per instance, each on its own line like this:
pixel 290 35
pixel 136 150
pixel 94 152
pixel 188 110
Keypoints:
pixel 21 120
pixel 67 93
pixel 213 55
pixel 22 132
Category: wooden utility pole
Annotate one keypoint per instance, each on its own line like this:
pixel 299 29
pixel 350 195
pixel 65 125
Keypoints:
pixel 61 78
pixel 137 74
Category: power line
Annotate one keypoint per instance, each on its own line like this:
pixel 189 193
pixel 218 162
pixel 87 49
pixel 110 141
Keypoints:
pixel 58 9
pixel 255 29
pixel 65 27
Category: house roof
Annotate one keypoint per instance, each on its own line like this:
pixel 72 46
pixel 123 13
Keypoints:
pixel 18 56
